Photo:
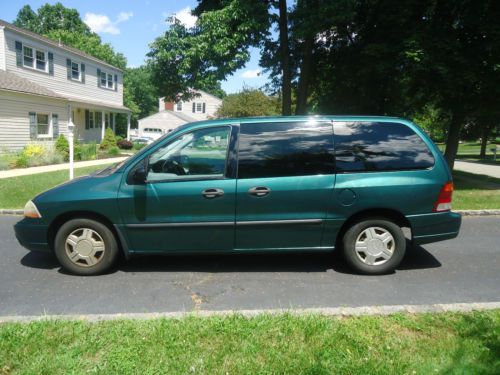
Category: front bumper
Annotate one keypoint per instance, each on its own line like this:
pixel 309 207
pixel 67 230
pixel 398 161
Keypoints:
pixel 32 235
pixel 434 227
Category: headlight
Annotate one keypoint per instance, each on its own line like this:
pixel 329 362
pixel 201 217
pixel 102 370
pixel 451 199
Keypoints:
pixel 30 210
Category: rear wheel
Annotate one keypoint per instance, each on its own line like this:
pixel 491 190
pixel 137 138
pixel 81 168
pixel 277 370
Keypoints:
pixel 85 247
pixel 374 246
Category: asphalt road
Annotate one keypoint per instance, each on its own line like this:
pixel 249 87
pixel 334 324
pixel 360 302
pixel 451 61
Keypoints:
pixel 466 269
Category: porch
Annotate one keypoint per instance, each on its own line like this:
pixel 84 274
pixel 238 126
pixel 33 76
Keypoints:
pixel 92 119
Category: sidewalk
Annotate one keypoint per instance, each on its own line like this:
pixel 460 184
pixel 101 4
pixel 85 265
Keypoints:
pixel 57 167
pixel 478 168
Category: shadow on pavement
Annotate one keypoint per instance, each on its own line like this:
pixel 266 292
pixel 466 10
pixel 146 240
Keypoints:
pixel 416 258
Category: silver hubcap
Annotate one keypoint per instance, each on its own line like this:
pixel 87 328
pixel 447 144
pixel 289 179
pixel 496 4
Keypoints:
pixel 375 246
pixel 85 247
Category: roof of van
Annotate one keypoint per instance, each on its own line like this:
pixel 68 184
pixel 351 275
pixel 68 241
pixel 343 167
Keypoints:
pixel 293 118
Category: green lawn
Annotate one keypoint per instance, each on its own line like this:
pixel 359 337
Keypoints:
pixel 16 191
pixel 447 343
pixel 474 192
pixel 470 151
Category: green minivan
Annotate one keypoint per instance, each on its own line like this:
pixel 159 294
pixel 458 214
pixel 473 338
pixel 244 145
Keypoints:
pixel 270 184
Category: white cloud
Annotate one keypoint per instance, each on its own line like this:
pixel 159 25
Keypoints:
pixel 252 73
pixel 184 16
pixel 100 23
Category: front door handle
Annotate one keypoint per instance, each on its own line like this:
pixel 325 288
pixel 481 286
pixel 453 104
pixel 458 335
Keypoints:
pixel 212 193
pixel 259 191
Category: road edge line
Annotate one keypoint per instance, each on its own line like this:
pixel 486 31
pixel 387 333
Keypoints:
pixel 324 311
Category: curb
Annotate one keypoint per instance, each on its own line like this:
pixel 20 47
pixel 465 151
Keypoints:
pixel 327 311
pixel 4 211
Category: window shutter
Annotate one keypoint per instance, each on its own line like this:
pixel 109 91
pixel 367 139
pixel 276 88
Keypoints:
pixel 82 67
pixel 204 107
pixel 33 132
pixel 194 107
pixel 68 68
pixel 116 82
pixel 98 77
pixel 55 125
pixel 87 115
pixel 19 53
pixel 51 63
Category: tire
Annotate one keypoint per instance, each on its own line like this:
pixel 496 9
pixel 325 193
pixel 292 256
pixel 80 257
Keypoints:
pixel 90 244
pixel 374 246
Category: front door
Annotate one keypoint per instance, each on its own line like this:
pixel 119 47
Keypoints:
pixel 188 201
pixel 285 181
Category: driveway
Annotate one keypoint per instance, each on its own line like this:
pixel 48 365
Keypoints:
pixel 466 269
pixel 478 168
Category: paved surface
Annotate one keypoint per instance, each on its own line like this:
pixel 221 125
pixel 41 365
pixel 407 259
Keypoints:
pixel 466 269
pixel 478 168
pixel 57 167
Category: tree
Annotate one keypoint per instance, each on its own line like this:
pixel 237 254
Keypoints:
pixel 249 102
pixel 140 91
pixel 205 55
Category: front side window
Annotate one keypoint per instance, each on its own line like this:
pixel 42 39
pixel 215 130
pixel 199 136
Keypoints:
pixel 35 59
pixel 178 106
pixel 110 81
pixel 28 56
pixel 379 146
pixel 103 79
pixel 201 154
pixel 106 80
pixel 42 125
pixel 199 107
pixel 285 149
pixel 40 60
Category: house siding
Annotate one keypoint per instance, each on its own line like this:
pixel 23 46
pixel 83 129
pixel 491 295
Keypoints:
pixel 14 118
pixel 212 104
pixel 2 48
pixel 59 82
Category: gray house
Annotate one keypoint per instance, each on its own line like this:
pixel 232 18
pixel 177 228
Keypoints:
pixel 44 85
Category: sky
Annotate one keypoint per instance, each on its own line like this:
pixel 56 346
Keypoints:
pixel 130 25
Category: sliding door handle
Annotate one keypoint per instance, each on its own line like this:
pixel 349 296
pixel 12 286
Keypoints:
pixel 212 193
pixel 259 191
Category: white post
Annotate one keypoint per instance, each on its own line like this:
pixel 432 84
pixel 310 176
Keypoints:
pixel 71 127
pixel 103 125
pixel 128 126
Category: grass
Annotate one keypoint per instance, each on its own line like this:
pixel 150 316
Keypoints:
pixel 475 192
pixel 470 152
pixel 16 191
pixel 451 343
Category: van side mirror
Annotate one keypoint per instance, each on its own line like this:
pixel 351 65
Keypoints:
pixel 140 173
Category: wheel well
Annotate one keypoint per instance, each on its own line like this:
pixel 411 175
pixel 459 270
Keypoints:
pixel 392 215
pixel 63 218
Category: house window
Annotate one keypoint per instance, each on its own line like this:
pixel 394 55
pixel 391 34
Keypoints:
pixel 178 106
pixel 199 107
pixel 75 71
pixel 42 125
pixel 98 119
pixel 34 58
pixel 107 80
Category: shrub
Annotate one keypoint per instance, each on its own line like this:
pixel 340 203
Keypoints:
pixel 86 151
pixel 118 138
pixel 36 154
pixel 113 151
pixel 33 150
pixel 109 140
pixel 62 146
pixel 138 146
pixel 124 144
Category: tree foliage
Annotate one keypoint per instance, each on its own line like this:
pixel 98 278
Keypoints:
pixel 249 102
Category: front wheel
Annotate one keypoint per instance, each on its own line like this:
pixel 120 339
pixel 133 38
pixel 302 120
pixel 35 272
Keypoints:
pixel 374 246
pixel 85 247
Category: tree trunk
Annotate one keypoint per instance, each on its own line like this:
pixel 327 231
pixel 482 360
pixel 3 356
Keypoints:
pixel 286 85
pixel 484 141
pixel 305 75
pixel 453 139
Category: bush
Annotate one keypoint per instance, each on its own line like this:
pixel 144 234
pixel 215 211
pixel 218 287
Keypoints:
pixel 138 146
pixel 36 154
pixel 62 146
pixel 124 144
pixel 118 138
pixel 109 140
pixel 113 151
pixel 86 151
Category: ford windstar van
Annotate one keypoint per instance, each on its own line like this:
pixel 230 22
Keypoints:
pixel 275 184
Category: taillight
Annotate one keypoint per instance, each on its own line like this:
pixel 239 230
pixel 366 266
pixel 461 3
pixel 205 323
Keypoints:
pixel 443 202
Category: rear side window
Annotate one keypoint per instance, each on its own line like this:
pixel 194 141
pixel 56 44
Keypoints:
pixel 285 149
pixel 379 146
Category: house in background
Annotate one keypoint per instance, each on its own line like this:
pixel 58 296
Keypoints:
pixel 44 85
pixel 173 114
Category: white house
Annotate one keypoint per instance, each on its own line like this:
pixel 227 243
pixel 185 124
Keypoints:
pixel 173 114
pixel 44 85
